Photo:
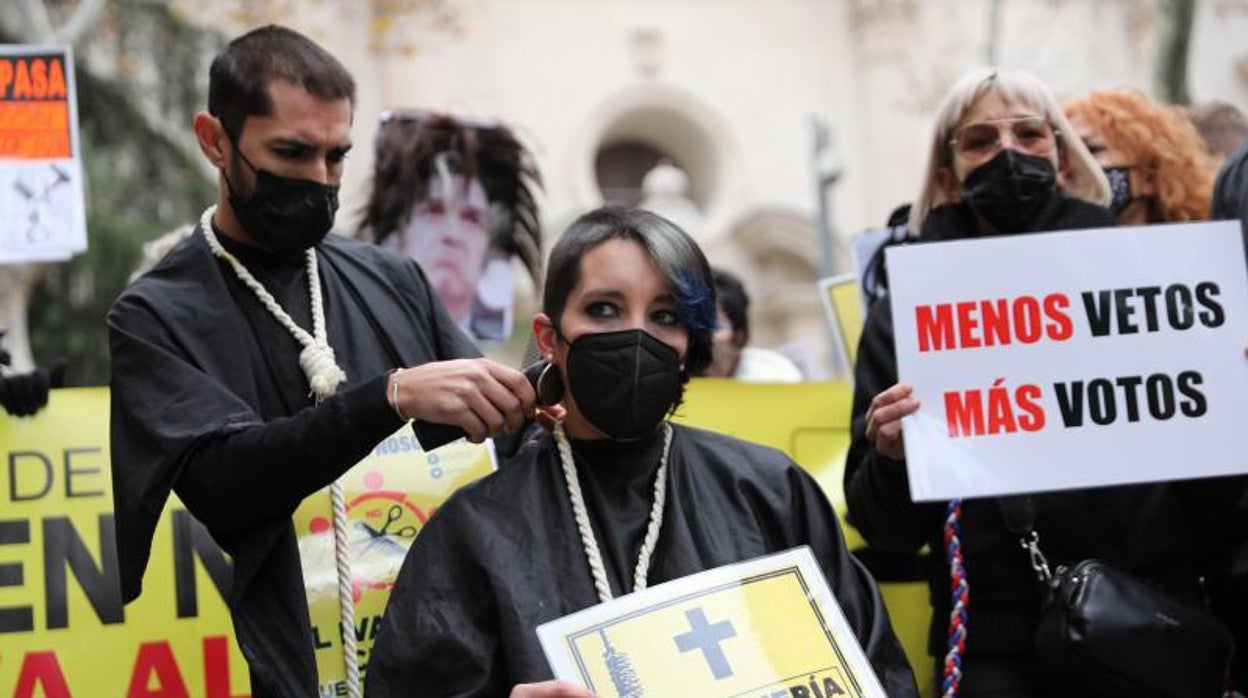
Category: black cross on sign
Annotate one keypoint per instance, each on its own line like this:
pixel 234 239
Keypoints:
pixel 706 637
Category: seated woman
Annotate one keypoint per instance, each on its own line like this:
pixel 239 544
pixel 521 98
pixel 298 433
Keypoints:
pixel 630 308
pixel 1158 167
pixel 1003 161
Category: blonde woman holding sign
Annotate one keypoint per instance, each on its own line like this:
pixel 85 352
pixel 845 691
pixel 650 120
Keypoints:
pixel 1004 160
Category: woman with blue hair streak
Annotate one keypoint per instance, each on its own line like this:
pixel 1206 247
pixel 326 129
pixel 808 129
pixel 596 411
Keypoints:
pixel 629 311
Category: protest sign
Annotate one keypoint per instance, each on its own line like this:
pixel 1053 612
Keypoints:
pixel 765 627
pixel 843 309
pixel 63 629
pixel 389 498
pixel 42 215
pixel 1073 359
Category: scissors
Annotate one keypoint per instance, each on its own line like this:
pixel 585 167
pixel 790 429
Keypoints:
pixel 393 515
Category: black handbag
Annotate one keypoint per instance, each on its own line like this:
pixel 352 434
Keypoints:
pixel 1116 633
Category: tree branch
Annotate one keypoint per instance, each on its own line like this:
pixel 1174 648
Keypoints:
pixel 84 17
pixel 33 24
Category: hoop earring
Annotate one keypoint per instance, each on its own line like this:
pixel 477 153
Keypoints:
pixel 550 387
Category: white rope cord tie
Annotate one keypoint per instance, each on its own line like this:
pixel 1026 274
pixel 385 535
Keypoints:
pixel 346 594
pixel 317 358
pixel 324 376
pixel 581 514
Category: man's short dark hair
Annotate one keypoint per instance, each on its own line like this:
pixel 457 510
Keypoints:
pixel 238 81
pixel 733 299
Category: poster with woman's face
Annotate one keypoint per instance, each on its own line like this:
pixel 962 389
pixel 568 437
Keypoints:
pixel 448 234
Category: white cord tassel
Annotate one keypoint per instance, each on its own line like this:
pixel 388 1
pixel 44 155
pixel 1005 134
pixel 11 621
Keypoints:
pixel 656 515
pixel 581 515
pixel 317 360
pixel 324 376
pixel 346 594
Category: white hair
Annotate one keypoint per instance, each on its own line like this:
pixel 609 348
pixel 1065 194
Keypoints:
pixel 1084 178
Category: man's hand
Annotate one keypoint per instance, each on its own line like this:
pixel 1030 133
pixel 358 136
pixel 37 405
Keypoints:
pixel 884 419
pixel 482 397
pixel 551 689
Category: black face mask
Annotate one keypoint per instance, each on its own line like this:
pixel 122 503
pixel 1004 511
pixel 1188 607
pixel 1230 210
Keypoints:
pixel 285 214
pixel 624 383
pixel 1120 186
pixel 1010 189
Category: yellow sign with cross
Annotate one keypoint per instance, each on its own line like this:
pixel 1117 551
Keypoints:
pixel 767 627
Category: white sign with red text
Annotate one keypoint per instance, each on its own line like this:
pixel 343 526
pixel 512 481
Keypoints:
pixel 1073 359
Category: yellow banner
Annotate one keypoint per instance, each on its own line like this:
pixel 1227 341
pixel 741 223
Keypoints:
pixel 63 629
pixel 64 632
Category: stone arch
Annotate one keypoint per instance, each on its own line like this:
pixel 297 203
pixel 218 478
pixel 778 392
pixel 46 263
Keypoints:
pixel 667 119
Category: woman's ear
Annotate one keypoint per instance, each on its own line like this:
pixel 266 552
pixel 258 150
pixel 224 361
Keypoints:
pixel 1064 173
pixel 545 336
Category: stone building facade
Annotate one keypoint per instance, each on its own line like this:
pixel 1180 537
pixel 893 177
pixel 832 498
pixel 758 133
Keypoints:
pixel 726 90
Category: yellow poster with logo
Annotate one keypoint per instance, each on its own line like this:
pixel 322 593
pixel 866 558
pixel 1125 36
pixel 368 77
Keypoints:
pixel 765 627
pixel 389 498
pixel 810 422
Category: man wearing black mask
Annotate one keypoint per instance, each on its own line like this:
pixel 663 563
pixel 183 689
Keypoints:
pixel 262 358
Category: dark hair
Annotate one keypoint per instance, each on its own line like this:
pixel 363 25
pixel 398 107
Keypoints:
pixel 1222 126
pixel 677 256
pixel 407 145
pixel 732 298
pixel 238 81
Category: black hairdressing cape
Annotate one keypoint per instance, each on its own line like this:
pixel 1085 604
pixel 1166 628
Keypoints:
pixel 208 400
pixel 503 556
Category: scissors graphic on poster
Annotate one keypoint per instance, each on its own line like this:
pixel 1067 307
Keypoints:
pixel 384 532
pixel 38 203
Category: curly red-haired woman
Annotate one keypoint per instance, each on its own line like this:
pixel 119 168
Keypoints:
pixel 1158 167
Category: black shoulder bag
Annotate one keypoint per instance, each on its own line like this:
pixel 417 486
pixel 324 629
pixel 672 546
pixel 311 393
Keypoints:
pixel 1114 631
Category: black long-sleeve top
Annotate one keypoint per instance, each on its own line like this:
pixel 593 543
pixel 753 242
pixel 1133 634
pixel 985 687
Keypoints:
pixel 209 401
